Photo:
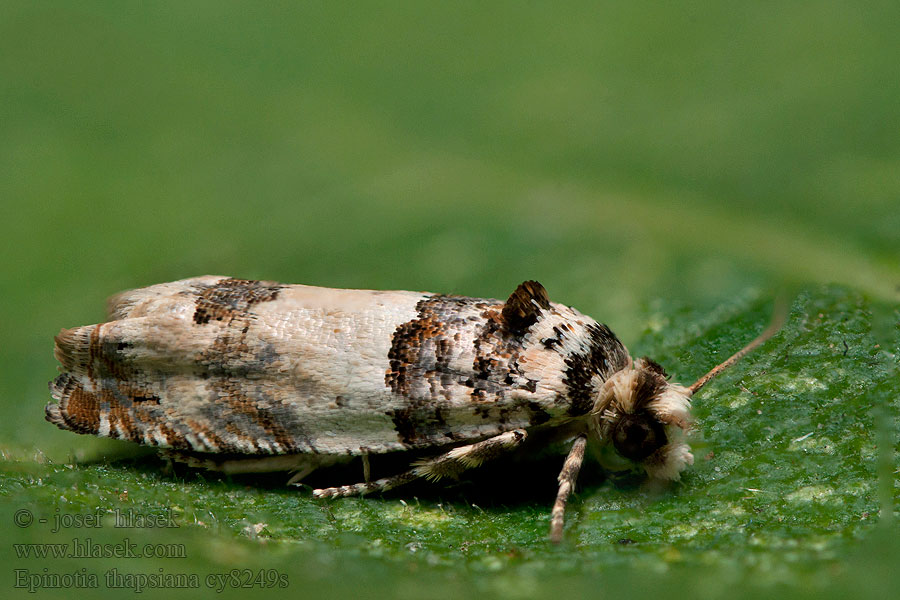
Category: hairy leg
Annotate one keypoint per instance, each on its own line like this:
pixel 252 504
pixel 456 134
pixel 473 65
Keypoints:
pixel 451 464
pixel 566 478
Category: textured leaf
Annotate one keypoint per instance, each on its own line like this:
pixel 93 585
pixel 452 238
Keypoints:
pixel 785 488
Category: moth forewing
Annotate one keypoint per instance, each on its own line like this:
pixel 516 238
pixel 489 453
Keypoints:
pixel 250 376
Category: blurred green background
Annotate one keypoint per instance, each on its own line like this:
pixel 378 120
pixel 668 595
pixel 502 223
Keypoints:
pixel 650 163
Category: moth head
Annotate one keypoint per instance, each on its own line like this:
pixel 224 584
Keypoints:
pixel 643 418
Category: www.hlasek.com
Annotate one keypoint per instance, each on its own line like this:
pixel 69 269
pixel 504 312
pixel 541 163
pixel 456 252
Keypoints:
pixel 32 581
pixel 88 548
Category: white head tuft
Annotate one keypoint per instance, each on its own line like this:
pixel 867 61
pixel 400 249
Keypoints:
pixel 644 418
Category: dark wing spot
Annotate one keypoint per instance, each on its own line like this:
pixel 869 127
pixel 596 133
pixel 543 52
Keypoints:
pixel 605 356
pixel 411 354
pixel 145 398
pixel 578 384
pixel 524 306
pixel 556 340
pixel 231 297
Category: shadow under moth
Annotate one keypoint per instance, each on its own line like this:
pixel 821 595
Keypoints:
pixel 252 376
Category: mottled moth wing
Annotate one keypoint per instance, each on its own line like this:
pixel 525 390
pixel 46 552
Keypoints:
pixel 222 365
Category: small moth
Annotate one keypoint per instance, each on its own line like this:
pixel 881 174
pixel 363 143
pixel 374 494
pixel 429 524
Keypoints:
pixel 253 376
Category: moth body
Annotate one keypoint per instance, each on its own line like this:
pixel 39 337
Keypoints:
pixel 251 376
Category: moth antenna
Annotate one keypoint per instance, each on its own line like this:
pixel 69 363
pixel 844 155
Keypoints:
pixel 779 314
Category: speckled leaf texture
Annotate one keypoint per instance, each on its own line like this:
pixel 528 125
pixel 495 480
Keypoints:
pixel 792 492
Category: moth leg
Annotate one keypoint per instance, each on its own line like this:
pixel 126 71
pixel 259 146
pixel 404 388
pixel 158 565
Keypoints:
pixel 460 459
pixel 367 470
pixel 450 464
pixel 566 478
pixel 361 489
pixel 300 475
pixel 300 464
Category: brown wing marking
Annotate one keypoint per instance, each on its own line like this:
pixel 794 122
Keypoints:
pixel 422 372
pixel 117 378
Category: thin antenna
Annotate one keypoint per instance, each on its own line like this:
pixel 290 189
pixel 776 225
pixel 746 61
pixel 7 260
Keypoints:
pixel 778 317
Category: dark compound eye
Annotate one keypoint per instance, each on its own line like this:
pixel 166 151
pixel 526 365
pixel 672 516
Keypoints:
pixel 638 436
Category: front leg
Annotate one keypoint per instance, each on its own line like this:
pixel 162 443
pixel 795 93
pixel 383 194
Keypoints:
pixel 566 478
pixel 450 464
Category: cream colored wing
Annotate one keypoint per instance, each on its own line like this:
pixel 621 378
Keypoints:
pixel 214 364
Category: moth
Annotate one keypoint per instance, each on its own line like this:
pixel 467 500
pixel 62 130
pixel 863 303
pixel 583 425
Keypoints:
pixel 253 376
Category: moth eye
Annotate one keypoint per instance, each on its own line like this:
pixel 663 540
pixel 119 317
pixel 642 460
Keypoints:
pixel 638 436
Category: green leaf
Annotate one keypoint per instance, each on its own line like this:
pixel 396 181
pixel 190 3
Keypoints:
pixel 789 485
